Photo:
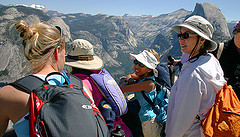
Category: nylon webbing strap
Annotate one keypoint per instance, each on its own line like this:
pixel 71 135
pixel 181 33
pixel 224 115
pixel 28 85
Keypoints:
pixel 220 49
pixel 28 83
pixel 147 99
pixel 76 81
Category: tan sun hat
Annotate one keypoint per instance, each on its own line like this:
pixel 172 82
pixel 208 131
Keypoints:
pixel 81 55
pixel 201 26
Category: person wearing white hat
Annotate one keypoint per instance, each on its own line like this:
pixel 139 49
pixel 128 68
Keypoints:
pixel 201 77
pixel 144 66
pixel 81 59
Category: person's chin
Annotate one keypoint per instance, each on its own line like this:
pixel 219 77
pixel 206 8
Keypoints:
pixel 137 73
pixel 183 50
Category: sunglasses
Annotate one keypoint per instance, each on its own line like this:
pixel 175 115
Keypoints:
pixel 186 35
pixel 60 30
pixel 139 63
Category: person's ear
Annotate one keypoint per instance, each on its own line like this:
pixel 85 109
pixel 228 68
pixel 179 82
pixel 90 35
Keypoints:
pixel 56 52
pixel 150 70
pixel 202 40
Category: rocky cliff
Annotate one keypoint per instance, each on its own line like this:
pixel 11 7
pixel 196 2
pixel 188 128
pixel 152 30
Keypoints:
pixel 214 15
pixel 207 10
pixel 12 60
pixel 113 37
pixel 110 34
pixel 148 27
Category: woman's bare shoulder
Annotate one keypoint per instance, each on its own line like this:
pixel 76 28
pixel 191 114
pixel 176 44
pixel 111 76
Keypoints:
pixel 6 91
pixel 10 96
pixel 14 103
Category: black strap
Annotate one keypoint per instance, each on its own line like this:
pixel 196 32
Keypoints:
pixel 164 84
pixel 148 78
pixel 147 99
pixel 28 83
pixel 145 96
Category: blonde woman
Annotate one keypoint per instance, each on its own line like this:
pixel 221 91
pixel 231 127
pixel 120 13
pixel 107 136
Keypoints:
pixel 44 47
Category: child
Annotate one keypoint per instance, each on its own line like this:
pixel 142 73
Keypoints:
pixel 143 80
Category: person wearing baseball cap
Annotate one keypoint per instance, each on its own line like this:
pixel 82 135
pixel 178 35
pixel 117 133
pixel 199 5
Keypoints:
pixel 228 54
pixel 201 77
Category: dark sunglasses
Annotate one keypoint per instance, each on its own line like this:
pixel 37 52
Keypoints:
pixel 60 30
pixel 139 63
pixel 186 35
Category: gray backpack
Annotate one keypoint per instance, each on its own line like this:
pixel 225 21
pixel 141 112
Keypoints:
pixel 61 110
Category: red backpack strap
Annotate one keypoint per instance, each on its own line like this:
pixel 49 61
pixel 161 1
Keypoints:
pixel 92 103
pixel 35 124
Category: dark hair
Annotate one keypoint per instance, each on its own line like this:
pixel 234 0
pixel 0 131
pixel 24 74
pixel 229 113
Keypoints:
pixel 202 51
pixel 206 44
pixel 76 70
pixel 151 73
pixel 235 31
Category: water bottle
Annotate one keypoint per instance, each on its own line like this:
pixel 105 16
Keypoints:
pixel 117 132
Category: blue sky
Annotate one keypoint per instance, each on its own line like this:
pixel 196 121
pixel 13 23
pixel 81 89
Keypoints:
pixel 229 8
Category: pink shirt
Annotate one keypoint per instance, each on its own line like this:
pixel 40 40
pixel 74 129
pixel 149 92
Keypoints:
pixel 97 97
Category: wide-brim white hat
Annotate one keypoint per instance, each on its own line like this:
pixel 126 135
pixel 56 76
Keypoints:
pixel 81 55
pixel 146 58
pixel 200 26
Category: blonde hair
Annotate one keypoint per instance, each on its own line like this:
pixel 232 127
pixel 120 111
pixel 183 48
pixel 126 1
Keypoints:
pixel 40 41
pixel 154 53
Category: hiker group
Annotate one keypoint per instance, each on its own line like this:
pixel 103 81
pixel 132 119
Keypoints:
pixel 72 94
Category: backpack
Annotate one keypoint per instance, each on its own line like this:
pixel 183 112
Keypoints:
pixel 163 77
pixel 163 87
pixel 160 102
pixel 223 119
pixel 110 90
pixel 61 110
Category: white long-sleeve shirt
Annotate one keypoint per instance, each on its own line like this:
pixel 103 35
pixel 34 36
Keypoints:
pixel 193 94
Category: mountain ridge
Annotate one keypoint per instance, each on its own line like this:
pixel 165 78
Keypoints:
pixel 113 37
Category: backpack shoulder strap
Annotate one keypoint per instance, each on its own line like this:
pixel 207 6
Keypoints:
pixel 147 78
pixel 76 81
pixel 220 49
pixel 147 99
pixel 28 83
pixel 145 96
pixel 157 83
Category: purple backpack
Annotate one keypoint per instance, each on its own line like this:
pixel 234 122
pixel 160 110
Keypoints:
pixel 110 90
